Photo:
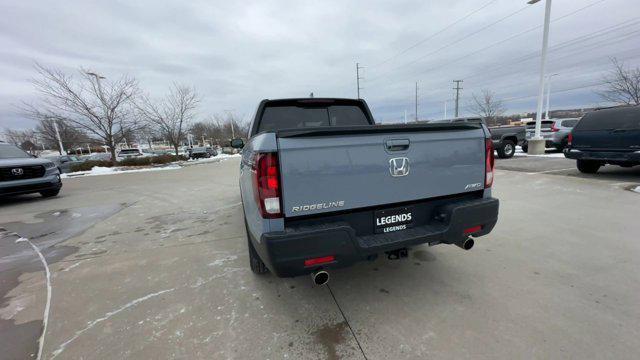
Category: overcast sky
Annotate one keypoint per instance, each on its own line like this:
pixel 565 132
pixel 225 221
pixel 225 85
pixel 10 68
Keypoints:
pixel 238 52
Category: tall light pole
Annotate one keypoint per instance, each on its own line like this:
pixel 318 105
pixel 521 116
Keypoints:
pixel 546 115
pixel 55 126
pixel 233 132
pixel 537 143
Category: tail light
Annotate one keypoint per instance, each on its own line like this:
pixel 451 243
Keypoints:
pixel 266 185
pixel 489 162
pixel 554 128
pixel 569 139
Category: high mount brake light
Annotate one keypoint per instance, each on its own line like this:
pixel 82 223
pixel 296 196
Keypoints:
pixel 266 185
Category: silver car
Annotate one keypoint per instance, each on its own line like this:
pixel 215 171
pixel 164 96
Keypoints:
pixel 21 173
pixel 555 132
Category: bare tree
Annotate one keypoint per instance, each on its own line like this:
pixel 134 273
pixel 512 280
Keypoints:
pixel 487 106
pixel 69 135
pixel 622 85
pixel 171 116
pixel 26 139
pixel 100 108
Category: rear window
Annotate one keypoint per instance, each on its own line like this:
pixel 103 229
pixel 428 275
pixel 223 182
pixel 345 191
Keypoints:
pixel 295 116
pixel 569 123
pixel 129 151
pixel 610 119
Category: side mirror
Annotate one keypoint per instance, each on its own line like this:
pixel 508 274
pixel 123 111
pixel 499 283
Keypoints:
pixel 237 143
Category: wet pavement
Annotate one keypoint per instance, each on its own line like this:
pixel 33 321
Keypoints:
pixel 155 266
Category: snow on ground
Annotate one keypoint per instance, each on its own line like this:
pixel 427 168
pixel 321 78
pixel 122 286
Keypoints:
pixel 214 158
pixel 637 189
pixel 519 152
pixel 99 170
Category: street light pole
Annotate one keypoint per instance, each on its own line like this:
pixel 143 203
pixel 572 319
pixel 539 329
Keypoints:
pixel 55 126
pixel 546 115
pixel 537 143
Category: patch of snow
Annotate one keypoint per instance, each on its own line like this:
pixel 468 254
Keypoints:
pixel 637 189
pixel 519 152
pixel 222 261
pixel 100 170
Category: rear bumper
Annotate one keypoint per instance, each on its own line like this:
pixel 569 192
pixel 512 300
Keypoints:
pixel 284 252
pixel 18 187
pixel 603 156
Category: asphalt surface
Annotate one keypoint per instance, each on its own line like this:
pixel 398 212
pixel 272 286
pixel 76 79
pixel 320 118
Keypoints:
pixel 154 265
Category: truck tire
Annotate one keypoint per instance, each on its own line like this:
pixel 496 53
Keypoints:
pixel 588 166
pixel 507 149
pixel 256 264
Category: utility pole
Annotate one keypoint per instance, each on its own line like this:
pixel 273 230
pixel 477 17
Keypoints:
pixel 457 89
pixel 416 101
pixel 358 78
pixel 445 110
pixel 405 116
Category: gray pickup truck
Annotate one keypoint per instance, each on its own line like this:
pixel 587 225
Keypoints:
pixel 505 139
pixel 323 186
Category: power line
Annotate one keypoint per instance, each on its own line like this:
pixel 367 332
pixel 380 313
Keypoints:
pixel 598 45
pixel 468 55
pixel 455 42
pixel 434 34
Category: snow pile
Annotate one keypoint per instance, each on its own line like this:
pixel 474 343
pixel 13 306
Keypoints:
pixel 99 170
pixel 637 189
pixel 519 152
pixel 215 158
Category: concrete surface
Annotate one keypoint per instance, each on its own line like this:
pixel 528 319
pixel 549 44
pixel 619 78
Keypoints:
pixel 154 265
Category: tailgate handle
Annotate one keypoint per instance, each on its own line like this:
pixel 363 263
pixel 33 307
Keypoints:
pixel 397 145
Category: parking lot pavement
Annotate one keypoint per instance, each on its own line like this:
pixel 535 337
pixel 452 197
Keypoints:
pixel 155 266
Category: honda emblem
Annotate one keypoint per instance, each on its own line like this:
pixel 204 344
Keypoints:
pixel 399 166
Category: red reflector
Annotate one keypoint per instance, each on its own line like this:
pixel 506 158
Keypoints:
pixel 320 260
pixel 472 230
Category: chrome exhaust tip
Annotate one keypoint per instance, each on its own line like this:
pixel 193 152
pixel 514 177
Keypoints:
pixel 320 277
pixel 466 244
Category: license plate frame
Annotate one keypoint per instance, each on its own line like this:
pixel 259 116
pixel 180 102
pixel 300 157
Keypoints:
pixel 394 219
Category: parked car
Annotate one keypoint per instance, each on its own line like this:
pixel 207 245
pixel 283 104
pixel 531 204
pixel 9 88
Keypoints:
pixel 505 139
pixel 555 132
pixel 65 162
pixel 606 136
pixel 127 153
pixel 323 186
pixel 100 157
pixel 201 152
pixel 21 173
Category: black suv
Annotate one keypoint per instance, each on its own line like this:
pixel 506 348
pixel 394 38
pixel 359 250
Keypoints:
pixel 21 173
pixel 606 136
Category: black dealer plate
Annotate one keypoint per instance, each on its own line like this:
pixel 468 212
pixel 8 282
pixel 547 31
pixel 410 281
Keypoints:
pixel 393 219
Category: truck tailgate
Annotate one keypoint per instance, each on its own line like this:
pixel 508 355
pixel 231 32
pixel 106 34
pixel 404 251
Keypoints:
pixel 342 171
